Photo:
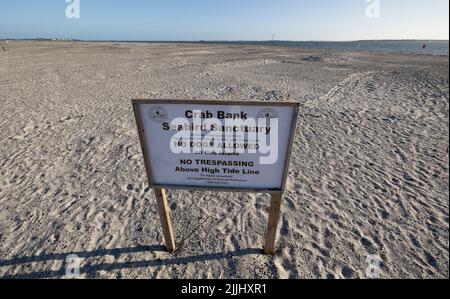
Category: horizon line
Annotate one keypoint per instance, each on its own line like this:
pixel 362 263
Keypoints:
pixel 219 40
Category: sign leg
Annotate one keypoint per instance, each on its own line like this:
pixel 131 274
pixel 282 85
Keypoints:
pixel 274 217
pixel 164 216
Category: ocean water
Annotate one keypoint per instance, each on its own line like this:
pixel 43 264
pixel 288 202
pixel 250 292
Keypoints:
pixel 407 46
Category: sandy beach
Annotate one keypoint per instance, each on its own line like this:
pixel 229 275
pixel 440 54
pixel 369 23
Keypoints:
pixel 369 172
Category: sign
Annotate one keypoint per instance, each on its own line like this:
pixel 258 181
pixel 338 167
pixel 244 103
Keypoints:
pixel 212 145
pixel 215 145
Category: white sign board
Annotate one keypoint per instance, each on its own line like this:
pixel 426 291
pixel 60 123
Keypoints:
pixel 234 146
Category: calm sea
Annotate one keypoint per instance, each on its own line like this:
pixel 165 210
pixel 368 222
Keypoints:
pixel 409 47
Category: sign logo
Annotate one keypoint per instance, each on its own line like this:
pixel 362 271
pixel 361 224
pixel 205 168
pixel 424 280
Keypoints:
pixel 268 113
pixel 158 114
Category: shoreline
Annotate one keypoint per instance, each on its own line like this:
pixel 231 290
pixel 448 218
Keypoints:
pixel 275 44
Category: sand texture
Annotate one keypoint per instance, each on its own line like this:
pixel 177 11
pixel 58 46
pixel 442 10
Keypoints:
pixel 369 171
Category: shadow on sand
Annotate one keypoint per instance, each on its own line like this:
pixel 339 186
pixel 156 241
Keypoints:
pixel 91 269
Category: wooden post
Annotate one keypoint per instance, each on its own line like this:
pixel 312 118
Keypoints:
pixel 274 217
pixel 164 216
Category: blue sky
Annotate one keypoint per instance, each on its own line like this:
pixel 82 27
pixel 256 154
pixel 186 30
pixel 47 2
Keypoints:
pixel 225 19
